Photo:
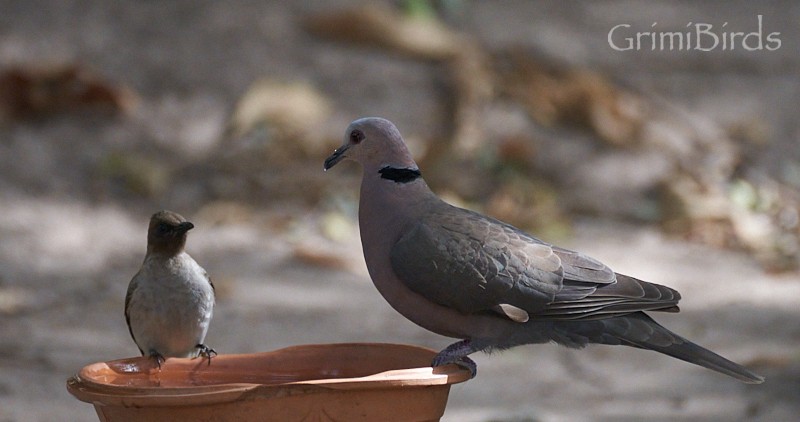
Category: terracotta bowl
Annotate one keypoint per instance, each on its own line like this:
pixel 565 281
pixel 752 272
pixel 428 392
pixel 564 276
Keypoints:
pixel 342 382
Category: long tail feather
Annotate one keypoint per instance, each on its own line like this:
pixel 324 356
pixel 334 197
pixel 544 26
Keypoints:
pixel 639 330
pixel 656 337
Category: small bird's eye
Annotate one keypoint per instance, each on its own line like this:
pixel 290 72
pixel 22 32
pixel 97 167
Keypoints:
pixel 356 136
pixel 163 228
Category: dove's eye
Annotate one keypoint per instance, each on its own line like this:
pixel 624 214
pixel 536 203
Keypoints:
pixel 356 136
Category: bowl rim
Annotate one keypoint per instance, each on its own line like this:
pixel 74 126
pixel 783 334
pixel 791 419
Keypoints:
pixel 89 388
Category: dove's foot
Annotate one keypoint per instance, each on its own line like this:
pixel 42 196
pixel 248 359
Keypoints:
pixel 457 353
pixel 205 352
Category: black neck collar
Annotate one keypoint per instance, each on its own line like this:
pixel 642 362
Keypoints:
pixel 400 175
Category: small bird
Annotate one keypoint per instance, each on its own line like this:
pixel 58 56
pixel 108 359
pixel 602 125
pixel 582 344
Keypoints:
pixel 464 275
pixel 170 301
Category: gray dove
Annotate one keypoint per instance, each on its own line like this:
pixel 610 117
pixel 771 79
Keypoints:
pixel 468 276
pixel 170 301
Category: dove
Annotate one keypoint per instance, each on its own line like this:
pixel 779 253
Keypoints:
pixel 468 276
pixel 170 301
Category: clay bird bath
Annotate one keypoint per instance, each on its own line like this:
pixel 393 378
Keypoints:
pixel 342 382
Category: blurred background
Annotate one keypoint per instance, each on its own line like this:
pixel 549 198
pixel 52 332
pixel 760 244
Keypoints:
pixel 680 167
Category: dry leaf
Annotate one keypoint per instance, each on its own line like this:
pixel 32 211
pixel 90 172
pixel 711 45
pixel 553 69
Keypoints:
pixel 380 26
pixel 31 91
pixel 318 258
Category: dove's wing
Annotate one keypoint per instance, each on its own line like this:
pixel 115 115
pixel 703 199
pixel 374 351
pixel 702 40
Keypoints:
pixel 473 263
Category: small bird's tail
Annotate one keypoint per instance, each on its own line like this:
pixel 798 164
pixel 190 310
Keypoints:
pixel 639 330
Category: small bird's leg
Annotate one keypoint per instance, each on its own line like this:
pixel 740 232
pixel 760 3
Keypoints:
pixel 157 357
pixel 457 353
pixel 205 352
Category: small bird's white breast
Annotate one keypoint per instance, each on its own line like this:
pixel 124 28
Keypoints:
pixel 171 306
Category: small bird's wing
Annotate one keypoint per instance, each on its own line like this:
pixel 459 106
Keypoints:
pixel 473 263
pixel 213 289
pixel 131 288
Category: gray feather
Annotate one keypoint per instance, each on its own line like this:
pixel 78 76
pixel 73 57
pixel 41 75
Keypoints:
pixel 470 262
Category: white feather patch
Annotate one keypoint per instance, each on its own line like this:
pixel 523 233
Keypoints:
pixel 512 312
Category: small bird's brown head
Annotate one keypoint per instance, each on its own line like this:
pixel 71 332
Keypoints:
pixel 167 233
pixel 375 143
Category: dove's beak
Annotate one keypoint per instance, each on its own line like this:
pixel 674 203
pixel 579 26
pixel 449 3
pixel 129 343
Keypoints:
pixel 337 156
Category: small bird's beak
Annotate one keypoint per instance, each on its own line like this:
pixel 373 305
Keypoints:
pixel 337 156
pixel 185 227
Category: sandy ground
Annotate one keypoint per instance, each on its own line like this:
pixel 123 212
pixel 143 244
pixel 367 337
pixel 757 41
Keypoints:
pixel 69 248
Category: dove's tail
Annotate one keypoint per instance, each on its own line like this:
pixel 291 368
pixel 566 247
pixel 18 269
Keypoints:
pixel 639 330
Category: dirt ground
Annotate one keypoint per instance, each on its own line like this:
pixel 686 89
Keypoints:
pixel 287 261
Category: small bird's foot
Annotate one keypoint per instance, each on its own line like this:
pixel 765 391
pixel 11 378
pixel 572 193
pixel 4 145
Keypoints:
pixel 205 352
pixel 457 353
pixel 158 358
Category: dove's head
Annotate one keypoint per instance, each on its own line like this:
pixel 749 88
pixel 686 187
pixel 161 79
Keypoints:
pixel 375 143
pixel 167 233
